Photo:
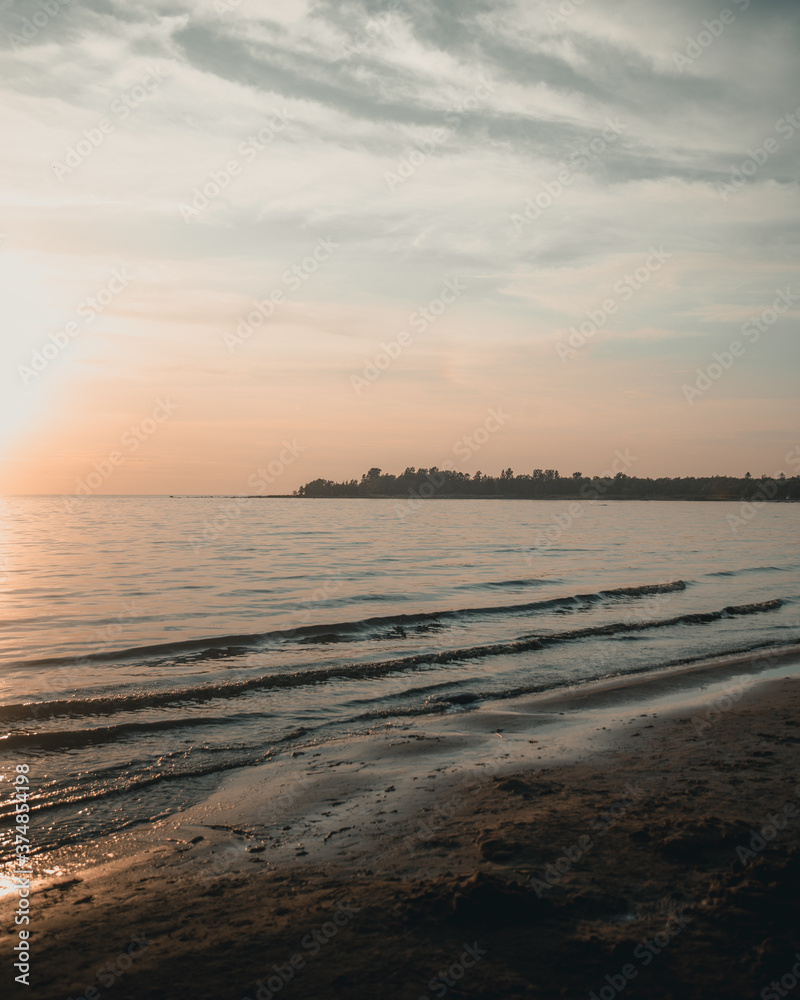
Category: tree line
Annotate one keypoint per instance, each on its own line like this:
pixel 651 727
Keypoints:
pixel 541 484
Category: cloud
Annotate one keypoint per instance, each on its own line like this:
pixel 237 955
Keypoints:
pixel 418 133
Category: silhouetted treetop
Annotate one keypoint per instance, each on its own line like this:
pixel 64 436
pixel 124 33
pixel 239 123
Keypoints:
pixel 549 484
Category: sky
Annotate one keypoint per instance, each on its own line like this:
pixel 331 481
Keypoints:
pixel 303 239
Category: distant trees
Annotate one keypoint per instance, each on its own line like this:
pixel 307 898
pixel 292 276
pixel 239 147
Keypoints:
pixel 549 484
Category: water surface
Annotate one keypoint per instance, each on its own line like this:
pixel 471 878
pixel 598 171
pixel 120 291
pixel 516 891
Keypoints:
pixel 148 644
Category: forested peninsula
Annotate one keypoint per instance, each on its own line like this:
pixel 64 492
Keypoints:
pixel 549 484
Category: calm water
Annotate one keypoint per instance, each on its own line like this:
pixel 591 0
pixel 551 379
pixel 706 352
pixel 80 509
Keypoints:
pixel 148 644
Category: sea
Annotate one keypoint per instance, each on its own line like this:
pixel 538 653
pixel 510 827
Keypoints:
pixel 150 645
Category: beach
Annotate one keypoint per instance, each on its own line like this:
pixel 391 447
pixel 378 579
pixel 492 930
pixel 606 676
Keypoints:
pixel 400 474
pixel 186 656
pixel 635 837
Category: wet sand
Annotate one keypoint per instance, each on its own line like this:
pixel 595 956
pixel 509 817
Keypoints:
pixel 606 840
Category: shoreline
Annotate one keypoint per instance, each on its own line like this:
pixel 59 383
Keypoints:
pixel 460 496
pixel 431 836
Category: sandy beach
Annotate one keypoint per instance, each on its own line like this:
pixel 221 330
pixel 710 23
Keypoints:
pixel 399 577
pixel 639 838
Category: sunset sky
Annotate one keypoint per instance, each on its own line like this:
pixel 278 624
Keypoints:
pixel 364 170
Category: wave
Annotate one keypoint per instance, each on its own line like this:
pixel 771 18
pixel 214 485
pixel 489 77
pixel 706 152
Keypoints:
pixel 136 784
pixel 750 569
pixel 442 703
pixel 501 584
pixel 367 670
pixel 70 739
pixel 232 645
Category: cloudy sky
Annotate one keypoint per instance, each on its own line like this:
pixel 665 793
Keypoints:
pixel 315 237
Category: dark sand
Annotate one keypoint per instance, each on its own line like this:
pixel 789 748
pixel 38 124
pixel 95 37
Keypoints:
pixel 651 817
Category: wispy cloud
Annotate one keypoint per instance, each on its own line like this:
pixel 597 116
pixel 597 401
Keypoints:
pixel 363 87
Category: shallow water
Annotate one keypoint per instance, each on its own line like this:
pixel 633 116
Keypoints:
pixel 149 644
